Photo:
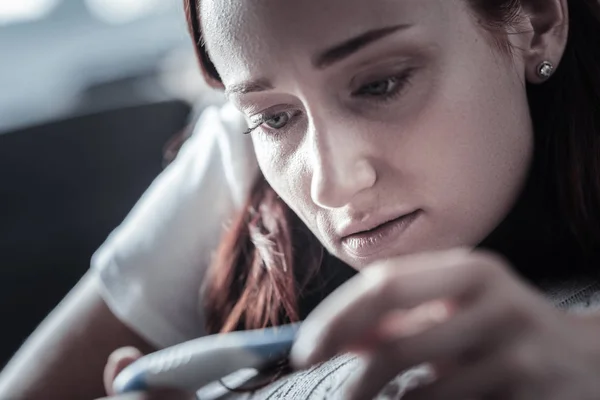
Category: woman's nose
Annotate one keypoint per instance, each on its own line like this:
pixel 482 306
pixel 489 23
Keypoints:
pixel 340 170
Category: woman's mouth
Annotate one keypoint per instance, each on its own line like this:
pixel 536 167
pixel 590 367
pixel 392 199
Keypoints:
pixel 367 243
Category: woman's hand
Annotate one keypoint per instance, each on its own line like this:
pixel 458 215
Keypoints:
pixel 487 334
pixel 120 359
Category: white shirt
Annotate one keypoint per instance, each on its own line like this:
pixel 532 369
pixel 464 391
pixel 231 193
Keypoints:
pixel 151 267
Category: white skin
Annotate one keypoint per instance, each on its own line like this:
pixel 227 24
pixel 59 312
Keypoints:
pixel 455 141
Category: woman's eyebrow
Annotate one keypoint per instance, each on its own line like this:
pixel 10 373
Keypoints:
pixel 324 59
pixel 344 50
pixel 258 85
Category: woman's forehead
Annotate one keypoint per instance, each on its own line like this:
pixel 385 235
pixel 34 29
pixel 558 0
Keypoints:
pixel 257 31
pixel 314 17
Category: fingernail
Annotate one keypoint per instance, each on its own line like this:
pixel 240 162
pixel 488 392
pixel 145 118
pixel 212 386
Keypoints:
pixel 121 359
pixel 124 354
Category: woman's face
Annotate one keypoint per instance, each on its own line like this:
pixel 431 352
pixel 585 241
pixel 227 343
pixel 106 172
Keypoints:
pixel 388 126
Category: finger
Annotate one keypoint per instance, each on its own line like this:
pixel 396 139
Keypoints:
pixel 433 341
pixel 474 331
pixel 369 381
pixel 359 304
pixel 471 333
pixel 348 314
pixel 399 323
pixel 379 369
pixel 482 379
pixel 372 380
pixel 117 362
pixel 121 359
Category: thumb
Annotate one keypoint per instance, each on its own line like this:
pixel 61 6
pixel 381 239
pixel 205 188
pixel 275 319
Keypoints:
pixel 117 362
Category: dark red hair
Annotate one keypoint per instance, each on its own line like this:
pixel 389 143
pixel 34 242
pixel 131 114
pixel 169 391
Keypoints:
pixel 270 269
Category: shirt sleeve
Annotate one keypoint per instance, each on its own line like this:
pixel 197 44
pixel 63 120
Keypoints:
pixel 151 267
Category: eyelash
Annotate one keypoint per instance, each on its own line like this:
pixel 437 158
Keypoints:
pixel 401 81
pixel 267 117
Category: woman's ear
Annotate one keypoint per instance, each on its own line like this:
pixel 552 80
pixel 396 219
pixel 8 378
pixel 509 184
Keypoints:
pixel 548 21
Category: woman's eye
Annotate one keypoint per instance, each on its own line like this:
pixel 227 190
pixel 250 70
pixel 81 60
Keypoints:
pixel 278 121
pixel 275 122
pixel 380 88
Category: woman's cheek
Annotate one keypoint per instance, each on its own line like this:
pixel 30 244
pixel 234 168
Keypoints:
pixel 266 155
pixel 281 167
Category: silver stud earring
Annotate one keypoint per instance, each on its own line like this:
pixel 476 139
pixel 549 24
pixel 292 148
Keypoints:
pixel 545 70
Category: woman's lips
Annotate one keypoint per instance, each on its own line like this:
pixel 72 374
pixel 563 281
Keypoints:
pixel 367 243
